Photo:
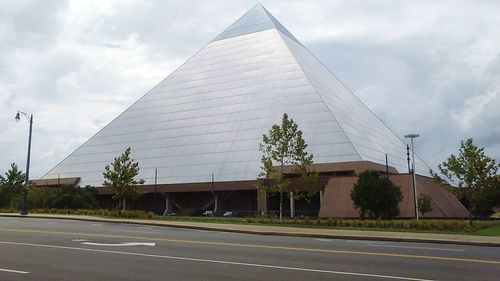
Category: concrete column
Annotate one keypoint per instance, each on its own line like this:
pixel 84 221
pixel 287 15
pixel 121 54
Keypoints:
pixel 167 204
pixel 292 205
pixel 321 197
pixel 261 203
pixel 216 202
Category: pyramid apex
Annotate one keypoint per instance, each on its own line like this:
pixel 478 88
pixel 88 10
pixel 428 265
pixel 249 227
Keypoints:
pixel 254 20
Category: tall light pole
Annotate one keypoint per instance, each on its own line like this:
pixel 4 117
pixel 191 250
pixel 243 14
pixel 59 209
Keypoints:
pixel 412 136
pixel 24 208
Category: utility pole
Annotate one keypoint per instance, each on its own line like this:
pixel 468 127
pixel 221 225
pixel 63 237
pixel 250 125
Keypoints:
pixel 386 166
pixel 415 201
pixel 408 157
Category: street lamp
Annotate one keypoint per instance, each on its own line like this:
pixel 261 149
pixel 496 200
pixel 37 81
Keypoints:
pixel 24 208
pixel 412 136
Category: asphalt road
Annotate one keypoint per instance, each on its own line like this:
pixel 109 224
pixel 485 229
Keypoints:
pixel 42 249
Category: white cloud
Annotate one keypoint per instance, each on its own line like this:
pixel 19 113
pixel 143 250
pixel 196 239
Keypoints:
pixel 428 67
pixel 473 108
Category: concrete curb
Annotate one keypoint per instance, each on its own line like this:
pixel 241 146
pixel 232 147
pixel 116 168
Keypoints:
pixel 190 225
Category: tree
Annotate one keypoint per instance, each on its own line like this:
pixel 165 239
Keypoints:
pixel 120 178
pixel 376 196
pixel 425 203
pixel 12 184
pixel 283 145
pixel 474 174
pixel 308 182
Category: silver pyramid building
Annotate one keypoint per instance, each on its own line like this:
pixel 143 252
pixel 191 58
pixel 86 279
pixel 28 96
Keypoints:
pixel 208 116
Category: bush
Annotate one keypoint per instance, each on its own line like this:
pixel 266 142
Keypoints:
pixel 376 196
pixel 432 225
pixel 425 204
pixel 64 197
pixel 8 210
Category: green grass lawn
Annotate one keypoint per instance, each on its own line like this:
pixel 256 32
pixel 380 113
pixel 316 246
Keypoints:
pixel 490 231
pixel 486 228
pixel 490 228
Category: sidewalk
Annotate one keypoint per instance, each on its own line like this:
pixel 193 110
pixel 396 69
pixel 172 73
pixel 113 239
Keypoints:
pixel 293 231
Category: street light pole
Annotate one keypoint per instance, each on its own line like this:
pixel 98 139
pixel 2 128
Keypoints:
pixel 415 201
pixel 24 208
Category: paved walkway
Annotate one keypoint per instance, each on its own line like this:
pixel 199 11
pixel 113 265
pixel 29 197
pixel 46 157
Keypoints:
pixel 293 231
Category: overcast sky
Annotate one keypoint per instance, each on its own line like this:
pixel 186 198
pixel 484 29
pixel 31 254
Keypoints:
pixel 427 67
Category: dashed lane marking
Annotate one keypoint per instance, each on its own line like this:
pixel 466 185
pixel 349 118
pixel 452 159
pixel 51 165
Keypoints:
pixel 416 247
pixel 409 256
pixel 244 264
pixel 13 271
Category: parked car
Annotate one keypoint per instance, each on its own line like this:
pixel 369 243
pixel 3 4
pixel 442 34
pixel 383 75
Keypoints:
pixel 208 213
pixel 229 214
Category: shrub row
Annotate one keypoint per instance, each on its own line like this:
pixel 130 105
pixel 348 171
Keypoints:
pixel 432 225
pixel 435 225
pixel 132 214
pixel 425 225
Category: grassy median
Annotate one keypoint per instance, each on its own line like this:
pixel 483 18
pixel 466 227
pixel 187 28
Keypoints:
pixel 479 227
pixel 489 231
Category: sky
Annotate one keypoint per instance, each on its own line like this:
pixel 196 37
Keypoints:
pixel 426 67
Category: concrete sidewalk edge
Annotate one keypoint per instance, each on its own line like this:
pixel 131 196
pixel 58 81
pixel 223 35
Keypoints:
pixel 236 228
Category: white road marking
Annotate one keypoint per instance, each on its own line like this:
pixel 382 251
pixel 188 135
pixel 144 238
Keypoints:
pixel 124 244
pixel 416 247
pixel 360 241
pixel 221 262
pixel 13 271
pixel 79 240
pixel 135 231
pixel 96 224
pixel 381 244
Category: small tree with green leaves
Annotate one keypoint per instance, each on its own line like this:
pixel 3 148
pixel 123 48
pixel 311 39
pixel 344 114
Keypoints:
pixel 376 196
pixel 474 173
pixel 120 175
pixel 425 203
pixel 283 145
pixel 12 184
pixel 308 182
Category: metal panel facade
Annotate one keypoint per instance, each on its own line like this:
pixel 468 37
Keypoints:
pixel 209 115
